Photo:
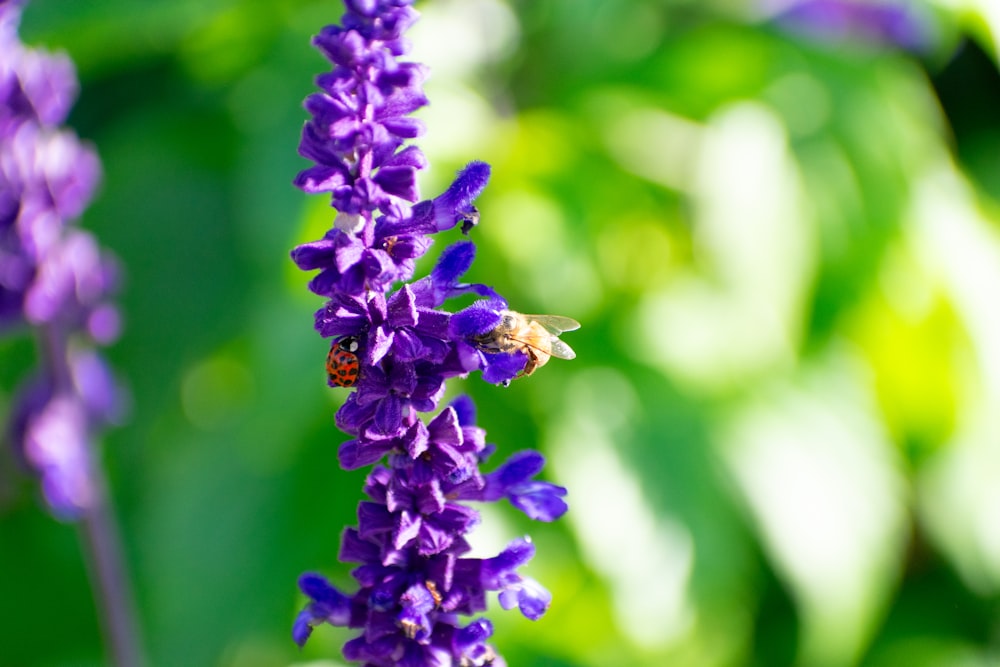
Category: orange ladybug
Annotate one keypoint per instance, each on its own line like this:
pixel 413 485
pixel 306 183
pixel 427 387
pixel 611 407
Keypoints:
pixel 342 365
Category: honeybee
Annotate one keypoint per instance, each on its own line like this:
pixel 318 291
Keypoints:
pixel 535 335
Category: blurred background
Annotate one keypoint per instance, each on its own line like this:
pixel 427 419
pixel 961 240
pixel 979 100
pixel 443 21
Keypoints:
pixel 777 222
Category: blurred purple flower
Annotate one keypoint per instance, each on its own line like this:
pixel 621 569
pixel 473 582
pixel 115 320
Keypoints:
pixel 56 444
pixel 53 276
pixel 414 579
pixel 895 22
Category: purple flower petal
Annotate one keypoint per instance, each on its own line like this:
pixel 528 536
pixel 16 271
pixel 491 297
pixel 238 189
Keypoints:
pixel 401 308
pixel 303 627
pixel 465 410
pixel 399 182
pixel 388 414
pixel 354 454
pixel 527 595
pixel 327 605
pixel 501 368
pixel 541 501
pixel 520 467
pixel 517 553
pixel 353 549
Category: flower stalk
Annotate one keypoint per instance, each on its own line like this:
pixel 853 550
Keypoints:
pixel 56 283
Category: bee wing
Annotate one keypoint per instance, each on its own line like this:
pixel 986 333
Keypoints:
pixel 555 324
pixel 561 350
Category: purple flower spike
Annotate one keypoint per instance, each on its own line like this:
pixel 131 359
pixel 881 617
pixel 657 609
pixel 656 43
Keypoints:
pixel 414 578
pixel 465 410
pixel 56 284
pixel 54 278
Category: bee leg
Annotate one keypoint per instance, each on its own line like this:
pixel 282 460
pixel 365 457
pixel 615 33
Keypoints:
pixel 531 365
